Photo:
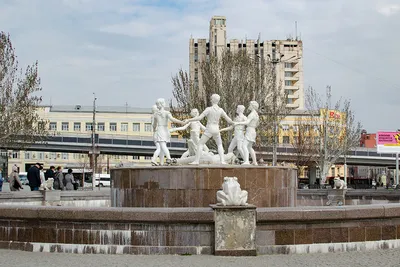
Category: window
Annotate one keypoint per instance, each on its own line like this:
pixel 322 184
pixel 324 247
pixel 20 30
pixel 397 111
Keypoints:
pixel 77 156
pixel 288 83
pixel 135 157
pixel 89 126
pixel 147 157
pixel 53 126
pixel 15 155
pixel 113 126
pixel 285 139
pixel 288 74
pixel 77 126
pixel 295 128
pixel 52 155
pixel 147 127
pixel 40 155
pixel 318 173
pixel 65 126
pixel 285 127
pixel 136 127
pixel 27 155
pixel 219 22
pixel 64 155
pixel 289 101
pixel 101 127
pixel 124 127
pixel 289 65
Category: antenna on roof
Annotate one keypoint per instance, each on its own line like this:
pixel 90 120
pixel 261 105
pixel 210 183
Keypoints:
pixel 295 30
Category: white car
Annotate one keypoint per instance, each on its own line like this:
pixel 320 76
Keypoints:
pixel 102 180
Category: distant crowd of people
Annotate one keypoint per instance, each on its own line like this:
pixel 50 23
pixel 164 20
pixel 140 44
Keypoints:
pixel 36 177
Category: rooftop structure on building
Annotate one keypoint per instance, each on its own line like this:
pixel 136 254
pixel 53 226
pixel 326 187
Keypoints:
pixel 289 70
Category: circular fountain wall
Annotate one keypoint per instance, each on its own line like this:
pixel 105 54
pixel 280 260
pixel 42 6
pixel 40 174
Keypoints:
pixel 196 186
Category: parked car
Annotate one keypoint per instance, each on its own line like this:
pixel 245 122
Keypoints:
pixel 102 180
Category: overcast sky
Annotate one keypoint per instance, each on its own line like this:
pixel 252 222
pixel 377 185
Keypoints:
pixel 127 50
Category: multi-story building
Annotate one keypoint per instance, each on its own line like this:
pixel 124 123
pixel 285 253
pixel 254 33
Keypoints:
pixel 287 53
pixel 78 120
pixel 368 139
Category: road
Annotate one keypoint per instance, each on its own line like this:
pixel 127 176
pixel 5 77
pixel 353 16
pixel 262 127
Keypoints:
pixel 386 258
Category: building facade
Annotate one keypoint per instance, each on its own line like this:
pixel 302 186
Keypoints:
pixel 288 53
pixel 78 120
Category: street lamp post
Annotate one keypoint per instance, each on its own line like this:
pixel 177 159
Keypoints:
pixel 94 143
pixel 274 61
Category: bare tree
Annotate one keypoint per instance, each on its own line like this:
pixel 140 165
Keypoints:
pixel 336 126
pixel 20 125
pixel 304 143
pixel 238 78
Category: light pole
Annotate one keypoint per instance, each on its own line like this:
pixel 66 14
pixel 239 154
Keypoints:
pixel 275 61
pixel 94 143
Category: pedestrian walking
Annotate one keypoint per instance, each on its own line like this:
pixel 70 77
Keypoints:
pixel 58 179
pixel 49 173
pixel 69 180
pixel 15 183
pixel 34 177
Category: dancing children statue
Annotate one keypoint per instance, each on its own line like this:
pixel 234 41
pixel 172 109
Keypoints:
pixel 195 128
pixel 158 151
pixel 213 115
pixel 238 138
pixel 250 135
pixel 162 135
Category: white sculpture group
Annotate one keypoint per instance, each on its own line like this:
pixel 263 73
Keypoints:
pixel 244 134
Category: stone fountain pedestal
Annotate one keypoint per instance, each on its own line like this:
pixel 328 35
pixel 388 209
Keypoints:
pixel 196 186
pixel 235 230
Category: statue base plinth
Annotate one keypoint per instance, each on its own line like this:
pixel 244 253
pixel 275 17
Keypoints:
pixel 197 186
pixel 336 197
pixel 235 230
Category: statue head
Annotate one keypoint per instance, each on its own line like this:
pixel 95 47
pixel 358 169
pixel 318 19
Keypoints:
pixel 240 109
pixel 154 109
pixel 215 99
pixel 194 112
pixel 160 103
pixel 253 105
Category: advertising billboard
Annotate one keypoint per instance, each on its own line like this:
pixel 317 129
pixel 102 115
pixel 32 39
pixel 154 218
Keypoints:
pixel 388 142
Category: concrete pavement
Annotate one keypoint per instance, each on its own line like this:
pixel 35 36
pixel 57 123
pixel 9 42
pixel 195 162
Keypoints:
pixel 387 258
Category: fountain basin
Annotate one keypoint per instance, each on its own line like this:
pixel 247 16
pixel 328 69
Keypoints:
pixel 196 186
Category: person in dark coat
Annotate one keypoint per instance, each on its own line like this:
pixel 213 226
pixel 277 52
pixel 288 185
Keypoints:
pixel 34 177
pixel 49 173
pixel 58 179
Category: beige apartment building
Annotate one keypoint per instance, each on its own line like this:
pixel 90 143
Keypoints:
pixel 288 54
pixel 78 120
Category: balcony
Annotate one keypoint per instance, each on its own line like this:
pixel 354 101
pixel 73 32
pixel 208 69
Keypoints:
pixel 292 69
pixel 294 95
pixel 293 105
pixel 291 87
pixel 293 78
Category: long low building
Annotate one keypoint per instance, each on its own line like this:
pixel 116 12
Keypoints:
pixel 78 119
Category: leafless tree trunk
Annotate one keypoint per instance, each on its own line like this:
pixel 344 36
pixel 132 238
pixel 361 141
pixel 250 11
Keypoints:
pixel 20 125
pixel 336 126
pixel 304 143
